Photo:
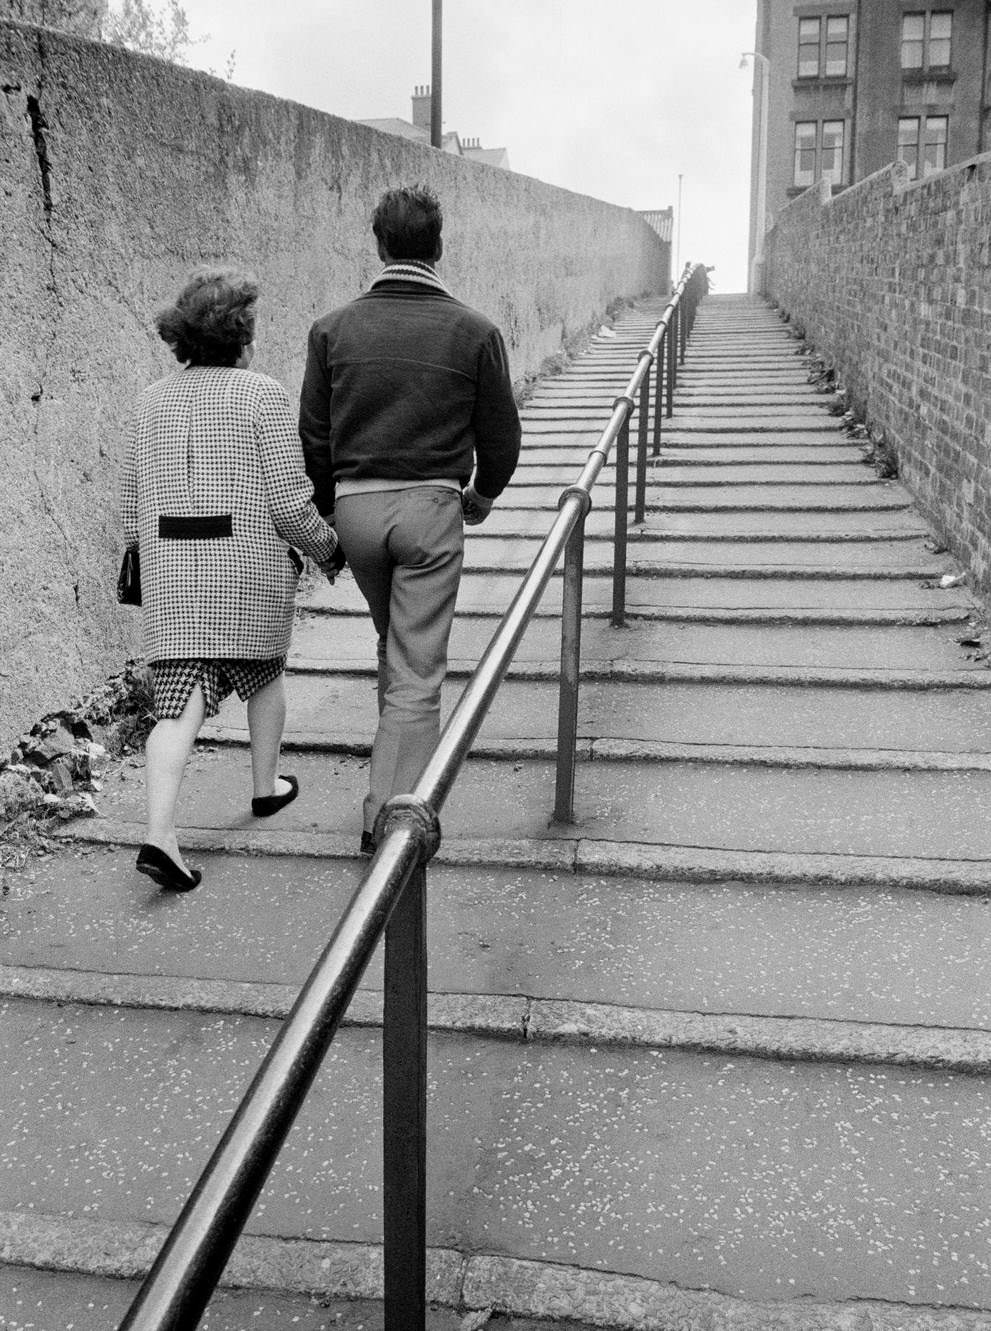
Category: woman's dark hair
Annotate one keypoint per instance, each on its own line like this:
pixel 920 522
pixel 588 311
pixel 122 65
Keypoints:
pixel 213 319
pixel 407 222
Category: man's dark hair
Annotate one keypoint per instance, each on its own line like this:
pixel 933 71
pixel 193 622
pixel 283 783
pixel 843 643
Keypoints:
pixel 213 319
pixel 407 222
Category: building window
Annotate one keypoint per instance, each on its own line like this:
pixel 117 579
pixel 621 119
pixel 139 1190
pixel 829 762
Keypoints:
pixel 805 152
pixel 818 152
pixel 832 151
pixel 940 32
pixel 837 44
pixel 809 37
pixel 922 140
pixel 823 47
pixel 926 39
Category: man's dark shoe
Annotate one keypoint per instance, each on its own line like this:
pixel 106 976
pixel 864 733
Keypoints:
pixel 368 844
pixel 164 871
pixel 263 805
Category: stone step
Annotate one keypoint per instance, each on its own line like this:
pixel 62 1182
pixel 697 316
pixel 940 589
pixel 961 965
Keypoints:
pixel 514 940
pixel 856 526
pixel 658 862
pixel 756 417
pixel 562 1124
pixel 670 558
pixel 526 1291
pixel 957 614
pixel 725 715
pixel 567 453
pixel 872 647
pixel 920 815
pixel 808 424
pixel 804 598
pixel 84 1298
pixel 583 395
pixel 787 376
pixel 767 496
pixel 732 455
pixel 580 441
pixel 669 471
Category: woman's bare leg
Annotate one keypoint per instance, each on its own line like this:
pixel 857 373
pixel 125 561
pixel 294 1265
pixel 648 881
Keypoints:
pixel 266 722
pixel 166 754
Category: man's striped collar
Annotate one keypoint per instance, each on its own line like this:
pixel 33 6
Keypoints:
pixel 411 271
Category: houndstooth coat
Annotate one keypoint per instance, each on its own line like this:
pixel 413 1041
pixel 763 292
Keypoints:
pixel 213 491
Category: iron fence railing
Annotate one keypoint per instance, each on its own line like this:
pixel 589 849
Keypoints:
pixel 391 899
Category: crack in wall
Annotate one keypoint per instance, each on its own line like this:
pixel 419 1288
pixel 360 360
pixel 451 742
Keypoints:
pixel 38 127
pixel 39 136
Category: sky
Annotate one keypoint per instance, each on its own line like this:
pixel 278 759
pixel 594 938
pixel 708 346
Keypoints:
pixel 612 98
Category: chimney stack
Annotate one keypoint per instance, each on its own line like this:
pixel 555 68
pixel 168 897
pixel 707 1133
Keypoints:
pixel 421 107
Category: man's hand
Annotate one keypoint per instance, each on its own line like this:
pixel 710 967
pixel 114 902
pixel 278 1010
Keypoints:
pixel 332 566
pixel 475 508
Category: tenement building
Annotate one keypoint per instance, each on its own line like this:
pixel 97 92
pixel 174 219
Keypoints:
pixel 843 87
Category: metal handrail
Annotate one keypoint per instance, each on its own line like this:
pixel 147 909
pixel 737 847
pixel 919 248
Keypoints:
pixel 390 900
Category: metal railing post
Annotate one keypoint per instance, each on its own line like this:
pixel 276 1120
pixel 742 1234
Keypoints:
pixel 659 394
pixel 621 516
pixel 404 1110
pixel 640 503
pixel 571 658
pixel 672 338
pixel 682 329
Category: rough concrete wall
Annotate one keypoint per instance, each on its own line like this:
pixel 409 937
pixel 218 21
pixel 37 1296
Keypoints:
pixel 118 174
pixel 79 16
pixel 891 282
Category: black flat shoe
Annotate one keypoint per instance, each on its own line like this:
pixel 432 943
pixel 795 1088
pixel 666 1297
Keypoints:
pixel 368 844
pixel 263 805
pixel 164 871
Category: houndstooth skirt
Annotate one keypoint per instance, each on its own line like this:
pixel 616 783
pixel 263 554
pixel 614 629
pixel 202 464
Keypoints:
pixel 218 678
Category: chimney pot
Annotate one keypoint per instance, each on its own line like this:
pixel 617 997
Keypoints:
pixel 421 107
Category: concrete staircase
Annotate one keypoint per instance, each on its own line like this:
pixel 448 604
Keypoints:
pixel 716 1056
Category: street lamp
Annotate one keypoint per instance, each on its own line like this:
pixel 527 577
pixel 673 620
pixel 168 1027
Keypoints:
pixel 760 211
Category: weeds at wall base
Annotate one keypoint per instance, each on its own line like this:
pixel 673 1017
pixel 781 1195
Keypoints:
pixel 55 768
pixel 878 451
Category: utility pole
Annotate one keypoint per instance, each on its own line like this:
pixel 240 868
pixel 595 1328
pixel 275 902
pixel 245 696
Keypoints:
pixel 677 249
pixel 436 131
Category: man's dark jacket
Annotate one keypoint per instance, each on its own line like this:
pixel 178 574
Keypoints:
pixel 407 383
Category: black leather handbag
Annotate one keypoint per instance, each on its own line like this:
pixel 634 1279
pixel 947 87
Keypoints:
pixel 129 578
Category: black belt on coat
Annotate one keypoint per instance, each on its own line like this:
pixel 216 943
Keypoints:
pixel 207 528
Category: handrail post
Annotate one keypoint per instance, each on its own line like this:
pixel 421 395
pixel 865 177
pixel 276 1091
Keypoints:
pixel 622 515
pixel 404 1076
pixel 672 336
pixel 682 329
pixel 404 1110
pixel 640 505
pixel 659 393
pixel 571 655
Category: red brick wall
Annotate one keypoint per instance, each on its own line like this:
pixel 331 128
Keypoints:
pixel 891 283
